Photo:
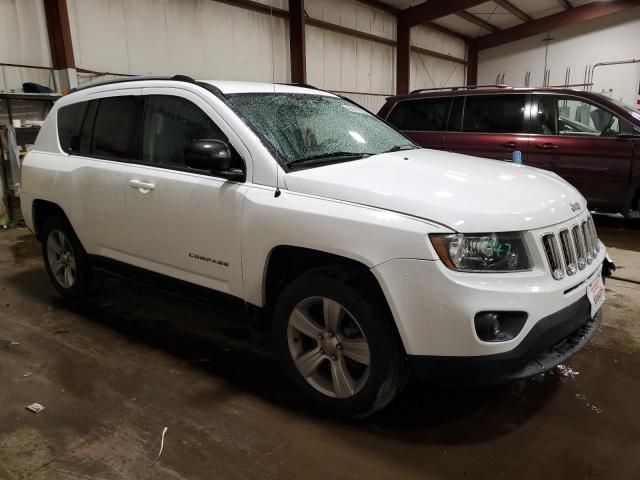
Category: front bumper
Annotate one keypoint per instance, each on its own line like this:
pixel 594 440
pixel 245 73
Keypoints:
pixel 434 307
pixel 551 341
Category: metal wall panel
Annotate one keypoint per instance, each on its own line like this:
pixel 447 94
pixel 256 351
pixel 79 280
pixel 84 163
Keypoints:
pixel 610 38
pixel 23 41
pixel 429 72
pixel 201 38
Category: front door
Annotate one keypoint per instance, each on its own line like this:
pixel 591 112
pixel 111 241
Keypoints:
pixel 182 222
pixel 585 144
pixel 492 127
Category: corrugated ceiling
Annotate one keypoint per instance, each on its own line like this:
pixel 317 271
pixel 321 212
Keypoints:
pixel 492 13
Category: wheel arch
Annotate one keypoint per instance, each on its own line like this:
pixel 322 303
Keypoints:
pixel 287 262
pixel 42 210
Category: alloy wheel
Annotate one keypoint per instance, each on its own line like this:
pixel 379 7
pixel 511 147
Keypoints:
pixel 328 347
pixel 61 258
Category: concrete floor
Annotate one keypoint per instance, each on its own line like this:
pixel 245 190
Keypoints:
pixel 112 374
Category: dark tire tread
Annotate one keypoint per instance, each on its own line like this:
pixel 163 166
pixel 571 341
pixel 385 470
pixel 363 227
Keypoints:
pixel 87 282
pixel 397 373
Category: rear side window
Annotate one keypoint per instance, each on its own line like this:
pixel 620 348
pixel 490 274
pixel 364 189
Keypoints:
pixel 455 116
pixel 70 120
pixel 494 114
pixel 116 131
pixel 87 127
pixel 428 115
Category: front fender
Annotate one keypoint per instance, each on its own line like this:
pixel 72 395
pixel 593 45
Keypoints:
pixel 364 234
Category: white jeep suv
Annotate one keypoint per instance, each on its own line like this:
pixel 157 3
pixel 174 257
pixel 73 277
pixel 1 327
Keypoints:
pixel 368 257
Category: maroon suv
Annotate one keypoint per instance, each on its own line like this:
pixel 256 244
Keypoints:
pixel 589 139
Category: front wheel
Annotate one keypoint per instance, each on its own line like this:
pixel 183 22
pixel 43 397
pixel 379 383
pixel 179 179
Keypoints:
pixel 335 341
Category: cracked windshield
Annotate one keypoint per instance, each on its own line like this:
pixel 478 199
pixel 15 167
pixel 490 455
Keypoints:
pixel 313 130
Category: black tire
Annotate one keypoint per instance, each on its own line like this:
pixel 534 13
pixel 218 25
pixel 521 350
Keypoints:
pixel 85 281
pixel 386 370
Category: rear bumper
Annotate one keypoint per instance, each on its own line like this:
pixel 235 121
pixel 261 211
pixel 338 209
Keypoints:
pixel 549 343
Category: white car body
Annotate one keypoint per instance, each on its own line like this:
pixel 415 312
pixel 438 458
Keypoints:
pixel 378 211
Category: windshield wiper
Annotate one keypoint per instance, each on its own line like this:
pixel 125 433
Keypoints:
pixel 341 154
pixel 397 148
pixel 327 155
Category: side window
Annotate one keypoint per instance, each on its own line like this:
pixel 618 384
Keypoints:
pixel 455 116
pixel 427 115
pixel 494 114
pixel 546 117
pixel 117 128
pixel 87 127
pixel 559 115
pixel 70 120
pixel 170 124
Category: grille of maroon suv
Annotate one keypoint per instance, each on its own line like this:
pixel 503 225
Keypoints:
pixel 571 248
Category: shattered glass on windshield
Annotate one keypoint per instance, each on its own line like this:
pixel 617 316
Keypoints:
pixel 316 129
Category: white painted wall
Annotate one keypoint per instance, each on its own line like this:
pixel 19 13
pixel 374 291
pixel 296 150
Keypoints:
pixel 614 37
pixel 428 71
pixel 342 63
pixel 200 38
pixel 23 41
pixel 208 39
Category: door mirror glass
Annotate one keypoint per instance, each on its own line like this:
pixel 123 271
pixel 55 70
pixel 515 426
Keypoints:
pixel 211 155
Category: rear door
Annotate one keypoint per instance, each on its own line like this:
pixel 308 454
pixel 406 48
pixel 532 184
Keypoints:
pixel 492 126
pixel 424 120
pixel 585 144
pixel 101 136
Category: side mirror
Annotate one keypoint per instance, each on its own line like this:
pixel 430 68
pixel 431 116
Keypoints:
pixel 213 156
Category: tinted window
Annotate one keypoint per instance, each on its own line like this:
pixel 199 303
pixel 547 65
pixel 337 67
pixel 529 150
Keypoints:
pixel 421 115
pixel 69 124
pixel 494 114
pixel 557 115
pixel 170 124
pixel 87 127
pixel 455 116
pixel 117 127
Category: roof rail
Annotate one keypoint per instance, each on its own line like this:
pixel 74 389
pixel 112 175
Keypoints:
pixel 177 78
pixel 460 87
pixel 568 85
pixel 303 85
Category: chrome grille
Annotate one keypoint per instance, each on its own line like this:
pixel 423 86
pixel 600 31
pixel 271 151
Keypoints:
pixel 572 248
pixel 587 241
pixel 581 250
pixel 568 252
pixel 594 237
pixel 553 255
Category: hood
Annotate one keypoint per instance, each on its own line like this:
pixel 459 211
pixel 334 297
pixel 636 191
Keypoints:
pixel 467 194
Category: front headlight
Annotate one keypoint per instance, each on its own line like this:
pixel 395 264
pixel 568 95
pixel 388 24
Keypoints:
pixel 482 252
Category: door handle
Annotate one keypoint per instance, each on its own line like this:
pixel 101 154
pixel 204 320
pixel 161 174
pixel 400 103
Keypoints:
pixel 509 145
pixel 142 186
pixel 547 146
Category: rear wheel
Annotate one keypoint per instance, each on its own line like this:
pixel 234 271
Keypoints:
pixel 336 343
pixel 66 260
